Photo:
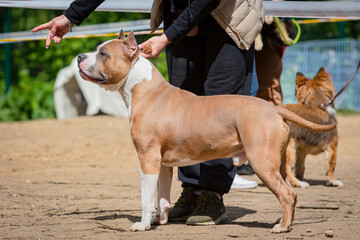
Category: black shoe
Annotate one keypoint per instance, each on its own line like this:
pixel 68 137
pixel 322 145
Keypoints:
pixel 210 210
pixel 184 206
pixel 245 169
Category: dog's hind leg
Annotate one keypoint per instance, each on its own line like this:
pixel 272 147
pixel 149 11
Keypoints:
pixel 292 154
pixel 266 156
pixel 271 177
pixel 300 164
pixel 164 188
pixel 331 155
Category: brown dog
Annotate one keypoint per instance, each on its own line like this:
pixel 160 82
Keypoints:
pixel 311 93
pixel 171 127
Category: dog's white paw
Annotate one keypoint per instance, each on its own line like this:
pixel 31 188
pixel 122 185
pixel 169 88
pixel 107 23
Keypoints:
pixel 140 226
pixel 334 183
pixel 159 220
pixel 304 184
pixel 278 229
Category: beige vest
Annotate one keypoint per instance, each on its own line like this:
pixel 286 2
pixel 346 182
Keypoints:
pixel 241 19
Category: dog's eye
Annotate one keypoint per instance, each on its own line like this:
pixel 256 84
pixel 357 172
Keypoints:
pixel 102 54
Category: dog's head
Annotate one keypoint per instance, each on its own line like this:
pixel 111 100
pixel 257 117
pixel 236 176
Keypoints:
pixel 314 91
pixel 109 65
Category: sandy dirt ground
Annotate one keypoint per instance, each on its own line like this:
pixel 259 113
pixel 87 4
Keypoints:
pixel 79 179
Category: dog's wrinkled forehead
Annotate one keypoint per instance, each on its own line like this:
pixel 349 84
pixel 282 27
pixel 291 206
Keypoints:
pixel 110 48
pixel 120 48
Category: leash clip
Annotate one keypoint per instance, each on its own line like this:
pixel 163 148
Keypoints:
pixel 328 109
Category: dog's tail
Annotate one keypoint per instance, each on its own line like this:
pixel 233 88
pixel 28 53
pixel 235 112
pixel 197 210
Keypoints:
pixel 293 117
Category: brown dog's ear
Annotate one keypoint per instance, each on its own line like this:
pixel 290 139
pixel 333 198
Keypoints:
pixel 323 81
pixel 299 74
pixel 300 79
pixel 121 35
pixel 322 75
pixel 322 69
pixel 131 45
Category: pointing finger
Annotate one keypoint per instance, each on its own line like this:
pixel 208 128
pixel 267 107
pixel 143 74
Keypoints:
pixel 42 27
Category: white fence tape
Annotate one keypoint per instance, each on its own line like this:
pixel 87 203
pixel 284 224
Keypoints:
pixel 330 9
pixel 82 31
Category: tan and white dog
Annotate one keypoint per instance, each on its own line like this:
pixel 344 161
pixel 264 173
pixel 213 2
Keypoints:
pixel 171 127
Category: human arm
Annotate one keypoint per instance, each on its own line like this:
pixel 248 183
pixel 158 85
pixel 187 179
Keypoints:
pixel 75 14
pixel 183 24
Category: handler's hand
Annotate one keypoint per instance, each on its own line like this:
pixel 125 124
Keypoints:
pixel 157 44
pixel 58 27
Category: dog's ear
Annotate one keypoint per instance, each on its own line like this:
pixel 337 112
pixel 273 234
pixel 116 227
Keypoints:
pixel 131 46
pixel 300 79
pixel 299 74
pixel 121 35
pixel 322 69
pixel 323 81
pixel 322 75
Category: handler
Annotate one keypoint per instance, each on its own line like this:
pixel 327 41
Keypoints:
pixel 209 51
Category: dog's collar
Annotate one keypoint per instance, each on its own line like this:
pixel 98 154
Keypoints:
pixel 329 109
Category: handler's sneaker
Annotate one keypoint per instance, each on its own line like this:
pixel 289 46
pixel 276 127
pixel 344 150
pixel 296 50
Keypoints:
pixel 184 206
pixel 240 182
pixel 209 210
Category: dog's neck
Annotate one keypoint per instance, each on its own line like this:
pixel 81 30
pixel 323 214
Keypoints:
pixel 140 71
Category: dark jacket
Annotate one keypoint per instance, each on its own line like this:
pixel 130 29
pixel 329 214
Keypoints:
pixel 79 10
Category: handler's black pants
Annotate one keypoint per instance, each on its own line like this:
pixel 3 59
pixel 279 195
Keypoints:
pixel 210 64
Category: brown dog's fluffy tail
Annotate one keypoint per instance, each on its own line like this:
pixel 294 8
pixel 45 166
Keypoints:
pixel 292 117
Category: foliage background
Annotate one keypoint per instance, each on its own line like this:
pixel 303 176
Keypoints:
pixel 34 68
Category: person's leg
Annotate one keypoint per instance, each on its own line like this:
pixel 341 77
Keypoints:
pixel 229 71
pixel 268 69
pixel 186 72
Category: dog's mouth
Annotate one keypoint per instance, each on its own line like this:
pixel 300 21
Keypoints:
pixel 102 81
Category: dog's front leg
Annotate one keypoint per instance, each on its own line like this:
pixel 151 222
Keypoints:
pixel 164 189
pixel 148 193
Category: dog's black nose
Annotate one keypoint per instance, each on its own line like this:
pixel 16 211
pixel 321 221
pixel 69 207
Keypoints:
pixel 81 57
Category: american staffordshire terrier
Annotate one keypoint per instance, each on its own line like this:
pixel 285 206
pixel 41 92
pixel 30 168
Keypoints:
pixel 171 127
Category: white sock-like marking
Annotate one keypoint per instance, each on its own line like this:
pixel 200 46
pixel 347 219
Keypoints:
pixel 148 195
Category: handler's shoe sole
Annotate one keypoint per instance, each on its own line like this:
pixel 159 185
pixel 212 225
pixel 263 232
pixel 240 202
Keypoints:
pixel 219 220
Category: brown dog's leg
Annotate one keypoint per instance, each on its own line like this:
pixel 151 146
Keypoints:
pixel 299 169
pixel 164 188
pixel 332 154
pixel 290 158
pixel 266 156
pixel 272 179
pixel 300 164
